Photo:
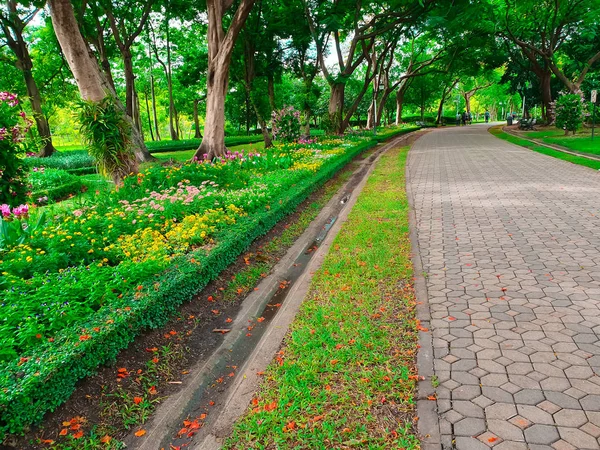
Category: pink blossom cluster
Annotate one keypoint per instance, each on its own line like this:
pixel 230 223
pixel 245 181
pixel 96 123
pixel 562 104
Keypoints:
pixel 19 212
pixel 235 156
pixel 38 169
pixel 307 141
pixel 9 98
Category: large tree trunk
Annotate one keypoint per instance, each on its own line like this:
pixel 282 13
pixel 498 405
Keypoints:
pixel 173 130
pixel 197 133
pixel 336 106
pixel 546 88
pixel 93 86
pixel 220 47
pixel 213 141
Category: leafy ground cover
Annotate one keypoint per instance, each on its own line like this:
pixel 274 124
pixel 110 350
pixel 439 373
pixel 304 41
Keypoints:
pixel 345 377
pixel 497 131
pixel 88 281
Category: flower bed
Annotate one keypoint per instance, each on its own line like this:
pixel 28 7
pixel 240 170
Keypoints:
pixel 83 285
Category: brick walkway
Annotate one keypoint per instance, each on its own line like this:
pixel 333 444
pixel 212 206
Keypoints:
pixel 510 243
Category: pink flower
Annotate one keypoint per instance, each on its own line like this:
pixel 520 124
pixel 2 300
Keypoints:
pixel 77 213
pixel 5 210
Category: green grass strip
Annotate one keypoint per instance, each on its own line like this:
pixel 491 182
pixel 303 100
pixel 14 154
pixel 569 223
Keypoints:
pixel 497 131
pixel 345 377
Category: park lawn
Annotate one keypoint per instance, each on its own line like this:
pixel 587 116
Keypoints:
pixel 497 131
pixel 580 142
pixel 346 375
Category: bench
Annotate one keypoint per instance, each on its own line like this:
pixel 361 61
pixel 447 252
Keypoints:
pixel 525 124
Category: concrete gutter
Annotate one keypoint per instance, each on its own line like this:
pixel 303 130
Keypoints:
pixel 235 400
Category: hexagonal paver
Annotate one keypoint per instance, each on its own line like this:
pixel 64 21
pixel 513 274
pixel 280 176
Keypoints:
pixel 541 434
pixel 570 418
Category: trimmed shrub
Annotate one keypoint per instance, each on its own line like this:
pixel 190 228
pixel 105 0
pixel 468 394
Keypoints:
pixel 52 184
pixel 569 112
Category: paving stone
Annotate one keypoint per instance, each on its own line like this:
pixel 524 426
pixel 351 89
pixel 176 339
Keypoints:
pixel 578 438
pixel 535 414
pixel 570 418
pixel 503 411
pixel 505 430
pixel 541 434
pixel 469 443
pixel 469 427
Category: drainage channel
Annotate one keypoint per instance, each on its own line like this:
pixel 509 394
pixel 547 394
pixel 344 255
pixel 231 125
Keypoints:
pixel 187 418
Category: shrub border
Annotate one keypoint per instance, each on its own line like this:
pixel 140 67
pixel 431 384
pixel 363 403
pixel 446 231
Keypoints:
pixel 49 378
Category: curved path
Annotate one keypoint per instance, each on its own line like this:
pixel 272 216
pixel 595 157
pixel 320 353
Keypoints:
pixel 510 244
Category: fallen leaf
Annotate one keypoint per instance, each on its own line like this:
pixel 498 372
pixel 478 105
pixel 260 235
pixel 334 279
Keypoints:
pixel 260 319
pixel 229 320
pixel 106 439
pixel 140 433
pixel 492 439
pixel 78 435
pixel 152 390
pixel 63 432
pixel 137 400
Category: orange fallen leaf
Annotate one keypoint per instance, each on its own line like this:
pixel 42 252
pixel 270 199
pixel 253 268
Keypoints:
pixel 432 397
pixel 492 439
pixel 229 320
pixel 106 439
pixel 137 400
pixel 260 319
pixel 140 433
pixel 152 390
pixel 78 435
pixel 47 441
pixel 63 432
pixel 66 424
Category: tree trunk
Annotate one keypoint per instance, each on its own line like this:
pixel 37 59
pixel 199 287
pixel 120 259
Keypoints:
pixel 24 63
pixel 546 88
pixel 306 126
pixel 220 47
pixel 213 142
pixel 271 87
pixel 336 106
pixel 153 95
pixel 129 83
pixel 197 133
pixel 43 127
pixel 172 111
pixel 400 101
pixel 149 116
pixel 467 97
pixel 384 99
pixel 93 86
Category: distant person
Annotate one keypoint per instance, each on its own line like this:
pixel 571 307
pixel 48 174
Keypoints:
pixel 464 118
pixel 487 116
pixel 470 118
pixel 457 119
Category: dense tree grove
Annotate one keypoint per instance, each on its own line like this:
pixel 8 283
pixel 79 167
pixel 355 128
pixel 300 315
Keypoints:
pixel 207 70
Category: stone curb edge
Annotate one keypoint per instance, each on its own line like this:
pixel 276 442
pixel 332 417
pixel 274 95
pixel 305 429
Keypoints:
pixel 428 425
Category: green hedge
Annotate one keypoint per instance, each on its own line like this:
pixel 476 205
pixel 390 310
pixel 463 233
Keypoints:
pixel 48 377
pixel 54 184
pixel 192 144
